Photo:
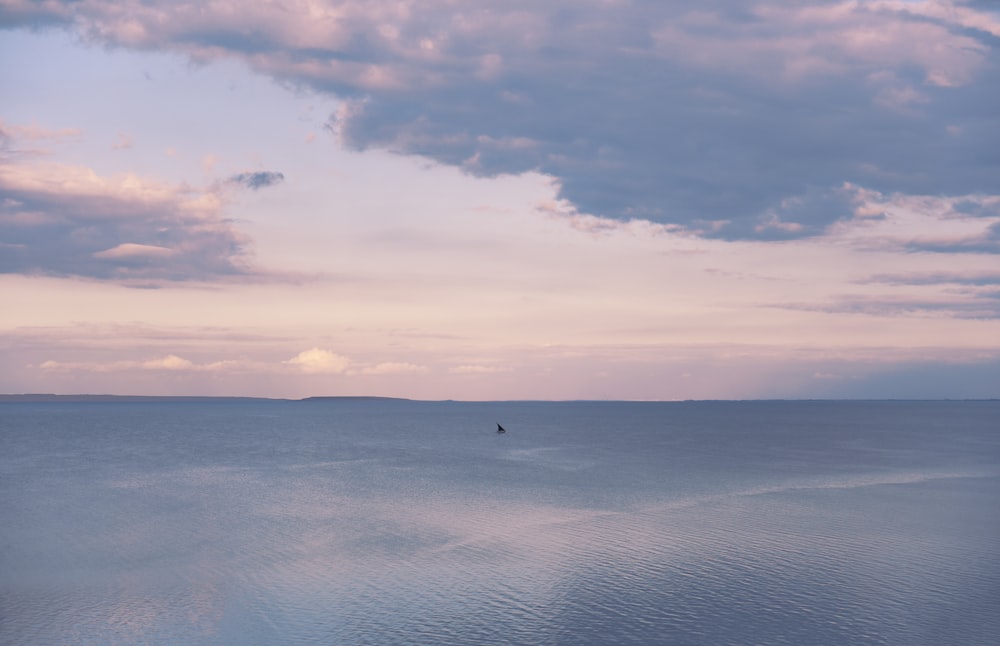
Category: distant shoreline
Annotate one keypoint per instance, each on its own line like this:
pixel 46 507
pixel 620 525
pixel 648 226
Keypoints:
pixel 43 397
pixel 52 398
pixel 47 397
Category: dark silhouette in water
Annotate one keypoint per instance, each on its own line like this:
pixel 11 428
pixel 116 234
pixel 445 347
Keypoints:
pixel 501 429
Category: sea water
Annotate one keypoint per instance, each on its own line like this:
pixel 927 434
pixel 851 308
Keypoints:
pixel 395 522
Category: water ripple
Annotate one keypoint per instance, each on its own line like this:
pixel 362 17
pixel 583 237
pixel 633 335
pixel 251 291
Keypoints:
pixel 374 538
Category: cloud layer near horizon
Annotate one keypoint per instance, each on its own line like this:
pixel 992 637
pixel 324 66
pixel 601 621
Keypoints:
pixel 731 120
pixel 653 372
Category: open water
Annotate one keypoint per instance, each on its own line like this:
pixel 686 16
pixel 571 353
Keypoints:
pixel 394 522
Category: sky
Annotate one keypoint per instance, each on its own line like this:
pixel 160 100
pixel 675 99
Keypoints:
pixel 481 200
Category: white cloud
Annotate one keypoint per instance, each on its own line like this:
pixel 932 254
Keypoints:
pixel 317 360
pixel 169 362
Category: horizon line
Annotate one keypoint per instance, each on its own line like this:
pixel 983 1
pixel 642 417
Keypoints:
pixel 105 397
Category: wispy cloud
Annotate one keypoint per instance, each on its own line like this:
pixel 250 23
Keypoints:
pixel 975 278
pixel 986 242
pixel 170 362
pixel 124 142
pixel 961 294
pixel 476 369
pixel 966 224
pixel 981 305
pixel 393 368
pixel 13 137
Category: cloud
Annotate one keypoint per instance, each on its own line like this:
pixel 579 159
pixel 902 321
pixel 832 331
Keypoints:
pixel 64 220
pixel 317 360
pixel 139 335
pixel 129 250
pixel 124 142
pixel 986 242
pixel 968 224
pixel 260 179
pixel 11 133
pixel 976 278
pixel 728 119
pixel 968 304
pixel 968 294
pixel 169 362
pixel 475 369
pixel 393 368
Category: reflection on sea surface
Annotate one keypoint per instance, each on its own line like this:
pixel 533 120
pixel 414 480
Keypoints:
pixel 362 522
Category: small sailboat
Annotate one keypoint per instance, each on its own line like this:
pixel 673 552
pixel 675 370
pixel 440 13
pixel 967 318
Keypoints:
pixel 501 429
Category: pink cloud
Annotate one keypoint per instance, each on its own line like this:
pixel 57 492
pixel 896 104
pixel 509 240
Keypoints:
pixel 68 220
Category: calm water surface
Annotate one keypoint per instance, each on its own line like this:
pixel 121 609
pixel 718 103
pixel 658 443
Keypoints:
pixel 391 522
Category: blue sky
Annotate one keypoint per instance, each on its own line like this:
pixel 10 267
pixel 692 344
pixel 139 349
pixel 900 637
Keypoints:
pixel 620 200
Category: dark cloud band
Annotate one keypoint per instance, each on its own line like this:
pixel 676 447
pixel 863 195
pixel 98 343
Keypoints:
pixel 732 120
